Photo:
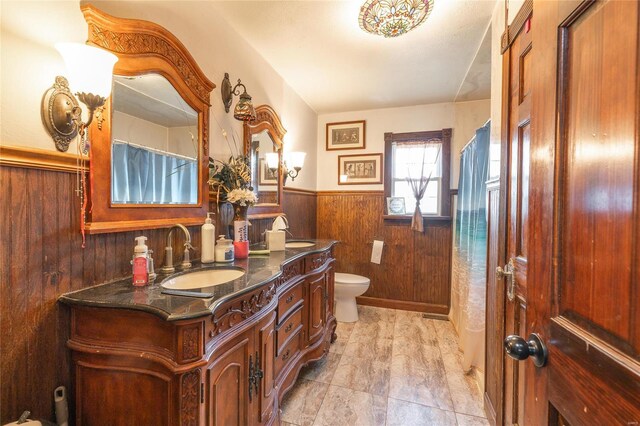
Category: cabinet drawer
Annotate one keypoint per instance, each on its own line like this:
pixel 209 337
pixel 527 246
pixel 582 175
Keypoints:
pixel 316 261
pixel 288 301
pixel 290 326
pixel 288 353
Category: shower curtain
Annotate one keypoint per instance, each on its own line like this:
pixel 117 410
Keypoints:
pixel 150 177
pixel 470 250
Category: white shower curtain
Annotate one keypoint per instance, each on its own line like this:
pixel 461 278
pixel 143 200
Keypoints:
pixel 144 176
pixel 470 250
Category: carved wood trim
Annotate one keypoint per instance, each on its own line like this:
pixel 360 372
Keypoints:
pixel 132 37
pixel 242 309
pixel 190 398
pixel 190 343
pixel 316 261
pixel 32 158
pixel 266 118
pixel 289 272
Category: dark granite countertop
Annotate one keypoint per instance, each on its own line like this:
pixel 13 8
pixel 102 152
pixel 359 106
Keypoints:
pixel 123 295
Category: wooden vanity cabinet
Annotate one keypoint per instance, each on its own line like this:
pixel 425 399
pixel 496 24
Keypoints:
pixel 231 367
pixel 240 376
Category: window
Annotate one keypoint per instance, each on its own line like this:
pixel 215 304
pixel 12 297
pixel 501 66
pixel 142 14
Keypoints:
pixel 407 154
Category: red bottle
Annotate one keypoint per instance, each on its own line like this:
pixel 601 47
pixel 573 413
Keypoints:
pixel 140 259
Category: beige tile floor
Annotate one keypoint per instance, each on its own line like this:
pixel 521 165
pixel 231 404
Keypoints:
pixel 390 368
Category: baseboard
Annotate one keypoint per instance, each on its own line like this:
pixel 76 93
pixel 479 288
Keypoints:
pixel 430 310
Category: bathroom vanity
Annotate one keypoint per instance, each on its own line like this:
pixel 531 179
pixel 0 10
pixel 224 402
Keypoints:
pixel 142 357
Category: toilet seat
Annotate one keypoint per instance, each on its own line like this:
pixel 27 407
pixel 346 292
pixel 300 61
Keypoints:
pixel 351 279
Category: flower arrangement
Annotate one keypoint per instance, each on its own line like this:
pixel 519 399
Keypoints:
pixel 242 197
pixel 234 174
pixel 231 180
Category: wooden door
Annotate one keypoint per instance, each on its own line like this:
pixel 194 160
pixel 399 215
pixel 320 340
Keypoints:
pixel 265 348
pixel 515 187
pixel 228 382
pixel 495 302
pixel 317 301
pixel 584 253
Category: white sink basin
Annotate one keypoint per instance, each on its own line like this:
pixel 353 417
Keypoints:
pixel 299 244
pixel 201 279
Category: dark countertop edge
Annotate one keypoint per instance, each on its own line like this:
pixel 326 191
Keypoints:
pixel 64 298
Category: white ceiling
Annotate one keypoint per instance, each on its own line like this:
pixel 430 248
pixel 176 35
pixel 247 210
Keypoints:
pixel 320 51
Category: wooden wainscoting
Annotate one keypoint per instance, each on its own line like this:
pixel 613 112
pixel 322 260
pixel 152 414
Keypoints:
pixel 415 270
pixel 42 257
pixel 301 206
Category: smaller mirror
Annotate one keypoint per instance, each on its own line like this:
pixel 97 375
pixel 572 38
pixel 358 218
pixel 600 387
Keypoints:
pixel 263 136
pixel 263 179
pixel 154 149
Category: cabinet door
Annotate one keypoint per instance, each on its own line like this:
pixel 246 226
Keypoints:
pixel 265 350
pixel 228 382
pixel 317 305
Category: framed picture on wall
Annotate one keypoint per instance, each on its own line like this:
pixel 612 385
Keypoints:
pixel 359 169
pixel 266 176
pixel 346 135
pixel 395 206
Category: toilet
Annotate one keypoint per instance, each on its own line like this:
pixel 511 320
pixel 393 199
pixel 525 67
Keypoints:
pixel 347 288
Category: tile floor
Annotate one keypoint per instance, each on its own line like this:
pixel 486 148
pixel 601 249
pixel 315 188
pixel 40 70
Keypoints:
pixel 390 368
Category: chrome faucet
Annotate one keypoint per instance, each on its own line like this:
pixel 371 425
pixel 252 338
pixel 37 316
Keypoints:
pixel 168 267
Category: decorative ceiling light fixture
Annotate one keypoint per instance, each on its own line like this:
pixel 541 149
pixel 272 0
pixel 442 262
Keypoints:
pixel 392 18
pixel 243 110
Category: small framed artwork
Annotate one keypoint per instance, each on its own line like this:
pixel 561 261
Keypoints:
pixel 266 176
pixel 359 169
pixel 395 206
pixel 346 135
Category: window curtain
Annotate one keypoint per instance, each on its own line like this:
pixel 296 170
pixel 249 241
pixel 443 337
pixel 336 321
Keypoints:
pixel 470 249
pixel 143 176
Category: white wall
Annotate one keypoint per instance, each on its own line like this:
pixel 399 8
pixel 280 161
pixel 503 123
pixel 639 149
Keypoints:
pixel 29 64
pixel 463 117
pixel 138 131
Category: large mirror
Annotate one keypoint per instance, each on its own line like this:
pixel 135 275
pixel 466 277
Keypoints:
pixel 149 144
pixel 154 143
pixel 262 136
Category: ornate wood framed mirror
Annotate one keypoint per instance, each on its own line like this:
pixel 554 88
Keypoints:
pixel 149 145
pixel 261 136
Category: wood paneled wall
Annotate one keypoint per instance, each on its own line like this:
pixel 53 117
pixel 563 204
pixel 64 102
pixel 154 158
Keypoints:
pixel 301 206
pixel 42 257
pixel 415 270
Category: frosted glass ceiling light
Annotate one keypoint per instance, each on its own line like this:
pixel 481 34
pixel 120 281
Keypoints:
pixel 89 76
pixel 392 18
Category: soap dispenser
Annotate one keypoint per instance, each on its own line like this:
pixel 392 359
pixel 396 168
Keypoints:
pixel 208 241
pixel 140 259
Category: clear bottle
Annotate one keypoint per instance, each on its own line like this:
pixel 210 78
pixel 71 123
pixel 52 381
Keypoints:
pixel 208 238
pixel 140 259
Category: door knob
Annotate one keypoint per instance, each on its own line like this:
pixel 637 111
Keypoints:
pixel 507 274
pixel 520 349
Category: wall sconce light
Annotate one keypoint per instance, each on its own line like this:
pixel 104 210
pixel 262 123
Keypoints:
pixel 292 164
pixel 243 110
pixel 89 76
